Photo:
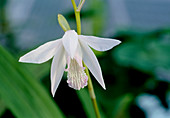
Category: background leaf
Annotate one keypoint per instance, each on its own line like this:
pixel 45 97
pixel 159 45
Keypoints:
pixel 22 93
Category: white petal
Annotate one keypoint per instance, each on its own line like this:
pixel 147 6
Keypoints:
pixel 57 68
pixel 41 54
pixel 92 63
pixel 78 55
pixel 70 40
pixel 100 44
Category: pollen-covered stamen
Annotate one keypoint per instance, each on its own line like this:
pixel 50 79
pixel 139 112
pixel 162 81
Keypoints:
pixel 77 78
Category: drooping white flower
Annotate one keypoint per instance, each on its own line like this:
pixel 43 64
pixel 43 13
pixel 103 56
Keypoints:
pixel 71 50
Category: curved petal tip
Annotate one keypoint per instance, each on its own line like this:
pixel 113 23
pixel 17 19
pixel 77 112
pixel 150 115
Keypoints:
pixel 118 42
pixel 104 87
pixel 53 94
pixel 100 44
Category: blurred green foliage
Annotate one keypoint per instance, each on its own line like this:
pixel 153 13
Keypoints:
pixel 145 51
pixel 21 93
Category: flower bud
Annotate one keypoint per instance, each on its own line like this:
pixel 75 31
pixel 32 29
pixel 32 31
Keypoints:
pixel 63 23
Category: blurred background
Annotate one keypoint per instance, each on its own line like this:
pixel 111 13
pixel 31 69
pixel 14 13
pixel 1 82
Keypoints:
pixel 136 72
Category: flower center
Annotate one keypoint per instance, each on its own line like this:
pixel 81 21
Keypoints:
pixel 77 78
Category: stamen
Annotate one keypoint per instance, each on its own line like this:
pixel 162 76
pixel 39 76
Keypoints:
pixel 77 78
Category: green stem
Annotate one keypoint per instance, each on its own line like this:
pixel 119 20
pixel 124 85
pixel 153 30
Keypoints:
pixel 92 94
pixel 77 15
pixel 78 21
pixel 90 85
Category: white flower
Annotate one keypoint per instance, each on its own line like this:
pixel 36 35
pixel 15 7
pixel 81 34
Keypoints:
pixel 71 49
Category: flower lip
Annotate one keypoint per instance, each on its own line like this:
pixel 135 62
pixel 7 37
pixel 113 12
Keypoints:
pixel 77 78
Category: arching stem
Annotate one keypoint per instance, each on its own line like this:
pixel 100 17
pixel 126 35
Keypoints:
pixel 90 85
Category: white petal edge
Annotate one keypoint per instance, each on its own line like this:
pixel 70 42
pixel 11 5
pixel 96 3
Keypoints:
pixel 100 44
pixel 57 68
pixel 70 40
pixel 41 54
pixel 92 63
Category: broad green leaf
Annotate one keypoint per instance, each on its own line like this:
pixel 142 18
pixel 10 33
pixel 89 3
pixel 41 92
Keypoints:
pixel 22 93
pixel 40 70
pixel 2 107
pixel 86 102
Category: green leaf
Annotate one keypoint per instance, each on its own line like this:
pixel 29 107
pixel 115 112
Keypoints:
pixel 86 102
pixel 2 107
pixel 121 106
pixel 145 53
pixel 22 93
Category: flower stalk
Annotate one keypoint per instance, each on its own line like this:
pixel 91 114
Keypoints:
pixel 77 15
pixel 90 85
pixel 91 92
